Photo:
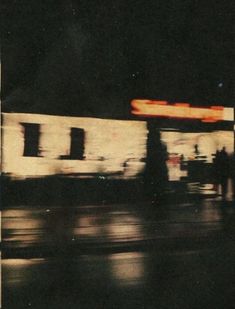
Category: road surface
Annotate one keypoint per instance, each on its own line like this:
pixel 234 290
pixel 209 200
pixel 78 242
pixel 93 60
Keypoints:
pixel 119 256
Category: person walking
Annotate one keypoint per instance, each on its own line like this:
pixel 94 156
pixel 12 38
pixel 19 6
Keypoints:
pixel 222 165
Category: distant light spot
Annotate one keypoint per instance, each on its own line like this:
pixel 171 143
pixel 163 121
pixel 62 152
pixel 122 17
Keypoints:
pixel 135 74
pixel 220 85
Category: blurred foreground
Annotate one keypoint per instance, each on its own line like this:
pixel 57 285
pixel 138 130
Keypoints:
pixel 136 255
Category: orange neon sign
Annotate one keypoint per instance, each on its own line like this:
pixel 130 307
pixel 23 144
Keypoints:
pixel 152 108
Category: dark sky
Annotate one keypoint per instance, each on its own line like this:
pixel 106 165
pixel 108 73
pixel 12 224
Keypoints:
pixel 91 58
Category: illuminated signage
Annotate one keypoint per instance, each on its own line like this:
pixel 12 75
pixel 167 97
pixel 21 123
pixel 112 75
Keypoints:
pixel 152 108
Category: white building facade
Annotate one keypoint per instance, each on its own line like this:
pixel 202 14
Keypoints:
pixel 112 147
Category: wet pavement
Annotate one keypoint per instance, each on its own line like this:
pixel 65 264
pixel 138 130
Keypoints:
pixel 136 255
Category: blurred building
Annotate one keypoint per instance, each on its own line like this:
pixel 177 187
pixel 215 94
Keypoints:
pixel 41 145
pixel 36 145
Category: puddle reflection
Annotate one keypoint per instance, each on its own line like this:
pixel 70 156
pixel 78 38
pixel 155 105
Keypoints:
pixel 113 226
pixel 22 227
pixel 110 224
pixel 19 271
pixel 128 268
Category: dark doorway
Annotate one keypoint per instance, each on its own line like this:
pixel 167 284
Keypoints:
pixel 31 139
pixel 77 146
pixel 77 143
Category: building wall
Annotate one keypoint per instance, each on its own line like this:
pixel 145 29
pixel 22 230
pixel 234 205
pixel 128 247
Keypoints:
pixel 108 145
pixel 112 147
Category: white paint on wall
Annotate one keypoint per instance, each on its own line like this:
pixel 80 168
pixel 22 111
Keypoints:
pixel 108 145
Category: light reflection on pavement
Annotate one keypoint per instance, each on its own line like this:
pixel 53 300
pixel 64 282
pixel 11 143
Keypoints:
pixel 110 223
pixel 119 256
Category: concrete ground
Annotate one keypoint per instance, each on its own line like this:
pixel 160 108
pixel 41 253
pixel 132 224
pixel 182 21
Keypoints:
pixel 139 255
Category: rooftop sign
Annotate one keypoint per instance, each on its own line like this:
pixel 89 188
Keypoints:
pixel 152 108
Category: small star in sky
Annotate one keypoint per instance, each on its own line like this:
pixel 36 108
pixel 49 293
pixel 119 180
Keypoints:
pixel 135 74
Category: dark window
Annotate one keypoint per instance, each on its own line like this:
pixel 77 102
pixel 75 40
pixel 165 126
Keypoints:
pixel 77 145
pixel 31 139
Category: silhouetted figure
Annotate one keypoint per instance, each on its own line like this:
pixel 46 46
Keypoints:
pixel 232 171
pixel 156 173
pixel 222 170
pixel 181 161
pixel 196 150
pixel 216 170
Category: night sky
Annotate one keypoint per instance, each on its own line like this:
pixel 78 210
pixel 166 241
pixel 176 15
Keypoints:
pixel 90 58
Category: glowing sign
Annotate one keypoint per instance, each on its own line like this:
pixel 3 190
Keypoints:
pixel 152 108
